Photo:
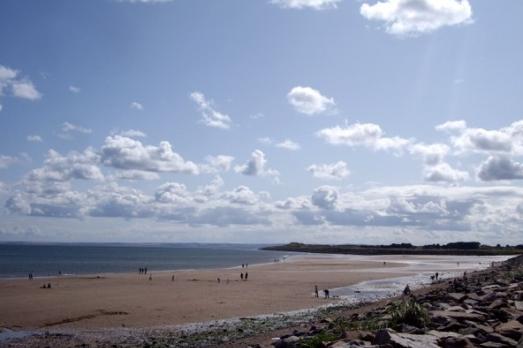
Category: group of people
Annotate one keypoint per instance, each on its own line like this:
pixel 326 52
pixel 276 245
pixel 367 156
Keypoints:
pixel 326 292
pixel 142 270
pixel 244 277
pixel 46 286
pixel 434 277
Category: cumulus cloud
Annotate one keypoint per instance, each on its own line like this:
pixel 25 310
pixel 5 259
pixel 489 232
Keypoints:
pixel 288 144
pixel 363 134
pixel 505 140
pixel 133 133
pixel 333 171
pixel 309 101
pixel 312 4
pixel 74 165
pixel 134 175
pixel 130 154
pixel 432 154
pixel 325 197
pixel 415 17
pixel 451 126
pixel 256 166
pixel 443 172
pixel 12 85
pixel 136 106
pixel 210 116
pixel 33 138
pixel 500 168
pixel 219 163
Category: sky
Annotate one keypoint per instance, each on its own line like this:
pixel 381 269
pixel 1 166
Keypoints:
pixel 261 121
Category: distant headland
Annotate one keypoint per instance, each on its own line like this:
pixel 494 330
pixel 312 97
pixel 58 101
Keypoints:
pixel 456 248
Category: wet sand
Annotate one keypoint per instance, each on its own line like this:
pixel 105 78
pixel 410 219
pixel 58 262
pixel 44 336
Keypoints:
pixel 132 300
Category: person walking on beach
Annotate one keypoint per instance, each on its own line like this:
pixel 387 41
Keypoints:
pixel 150 277
pixel 437 275
pixel 241 276
pixel 145 270
pixel 316 291
pixel 327 293
pixel 406 291
pixel 172 278
pixel 246 275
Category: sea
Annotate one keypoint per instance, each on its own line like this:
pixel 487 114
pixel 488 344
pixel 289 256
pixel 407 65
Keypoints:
pixel 43 260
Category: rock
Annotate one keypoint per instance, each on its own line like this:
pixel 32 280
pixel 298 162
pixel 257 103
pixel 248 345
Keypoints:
pixel 461 316
pixel 491 345
pixel 518 305
pixel 497 304
pixel 512 329
pixel 458 296
pixel 404 340
pixel 291 339
pixel 455 342
pixel 442 334
pixel 502 339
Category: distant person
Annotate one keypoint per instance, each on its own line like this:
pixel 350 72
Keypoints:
pixel 246 275
pixel 219 280
pixel 316 291
pixel 327 293
pixel 145 270
pixel 59 273
pixel 407 291
pixel 49 285
pixel 437 275
pixel 150 277
pixel 172 278
pixel 384 263
pixel 243 265
pixel 241 276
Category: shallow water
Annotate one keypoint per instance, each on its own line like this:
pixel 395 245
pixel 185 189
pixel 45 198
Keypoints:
pixel 418 272
pixel 17 260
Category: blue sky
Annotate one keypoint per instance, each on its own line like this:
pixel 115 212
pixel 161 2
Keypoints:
pixel 261 121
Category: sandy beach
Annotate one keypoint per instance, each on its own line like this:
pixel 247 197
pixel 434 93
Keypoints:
pixel 132 300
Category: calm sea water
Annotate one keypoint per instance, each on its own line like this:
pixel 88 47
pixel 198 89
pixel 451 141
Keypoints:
pixel 17 260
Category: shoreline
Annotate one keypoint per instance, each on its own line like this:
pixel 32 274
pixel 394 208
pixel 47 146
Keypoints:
pixel 274 302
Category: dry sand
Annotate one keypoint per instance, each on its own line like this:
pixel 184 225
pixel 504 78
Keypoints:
pixel 134 301
pixel 131 300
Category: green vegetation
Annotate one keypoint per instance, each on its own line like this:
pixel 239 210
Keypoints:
pixel 408 312
pixel 457 248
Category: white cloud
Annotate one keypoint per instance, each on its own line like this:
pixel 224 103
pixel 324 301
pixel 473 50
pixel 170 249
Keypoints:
pixel 451 126
pixel 288 144
pixel 210 116
pixel 17 87
pixel 500 168
pixel 134 175
pixel 333 171
pixel 309 101
pixel 74 89
pixel 443 172
pixel 33 138
pixel 6 161
pixel 136 106
pixel 130 154
pixel 220 163
pixel 362 134
pixel 75 165
pixel 432 154
pixel 256 166
pixel 69 128
pixel 26 90
pixel 133 133
pixel 415 17
pixel 301 4
pixel 325 197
